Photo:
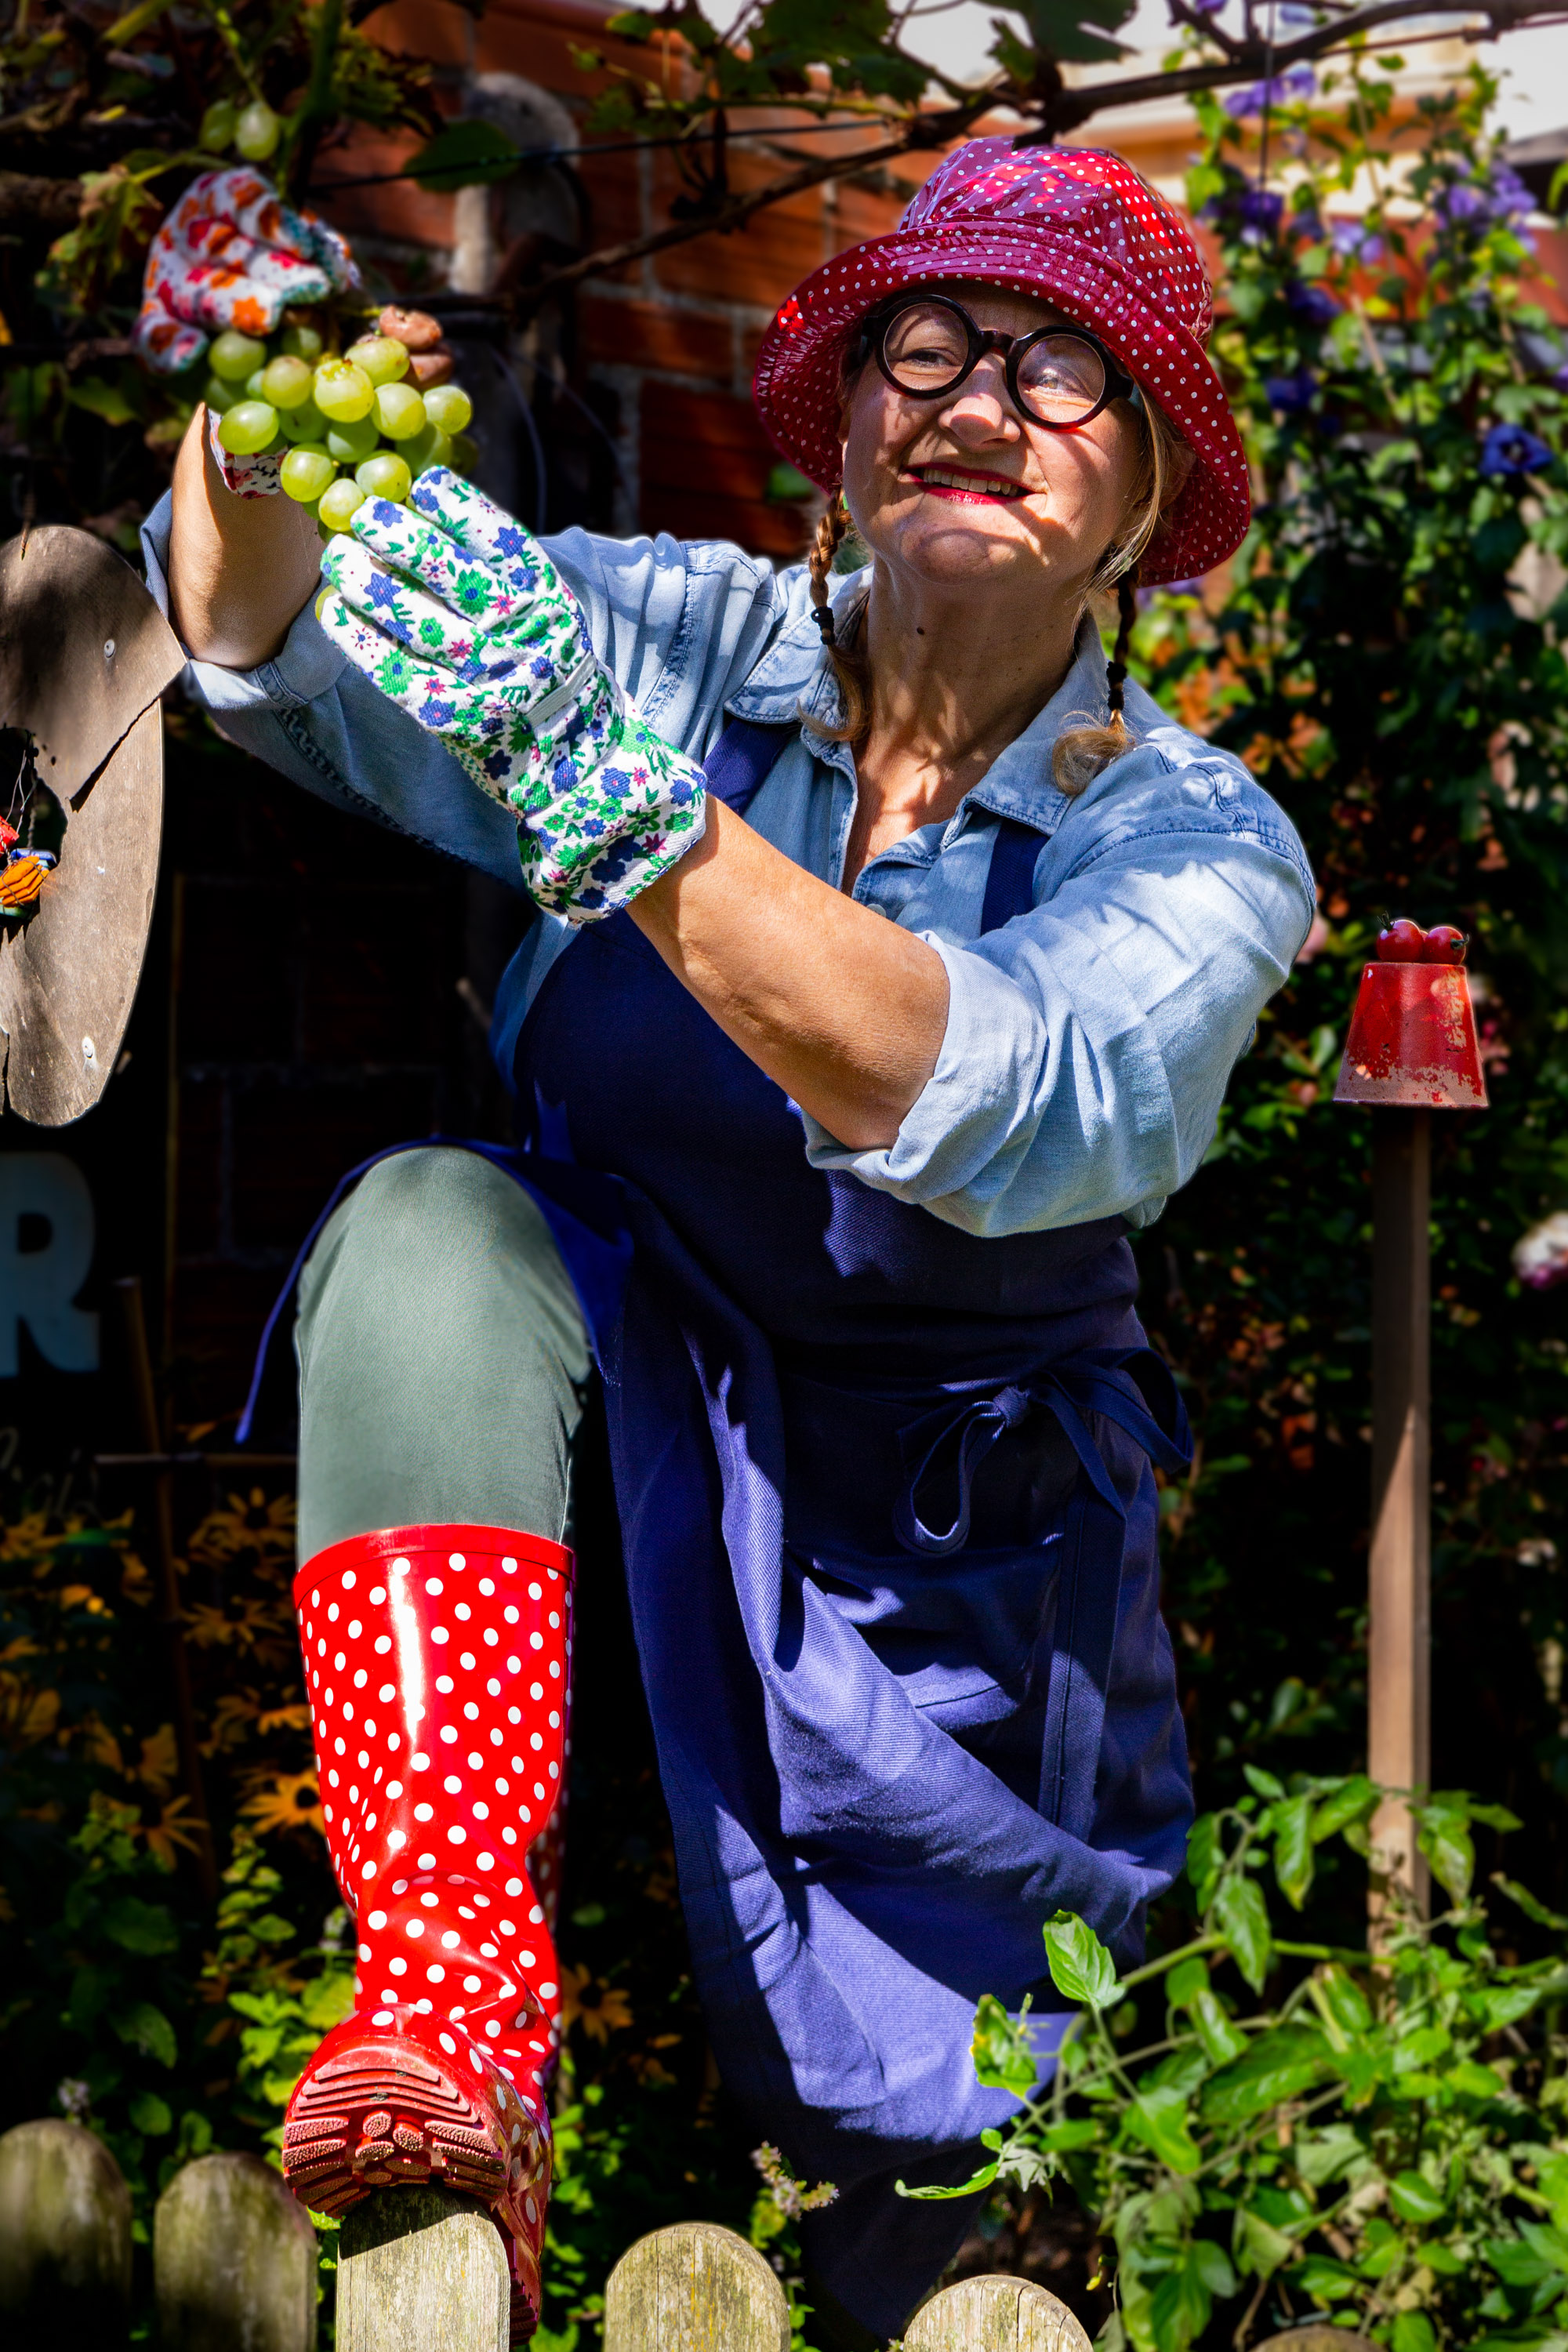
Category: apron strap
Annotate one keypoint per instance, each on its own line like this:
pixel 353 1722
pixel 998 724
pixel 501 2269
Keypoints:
pixel 742 759
pixel 1010 885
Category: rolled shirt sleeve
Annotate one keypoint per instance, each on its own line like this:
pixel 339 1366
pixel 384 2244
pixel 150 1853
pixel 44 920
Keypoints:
pixel 1089 1043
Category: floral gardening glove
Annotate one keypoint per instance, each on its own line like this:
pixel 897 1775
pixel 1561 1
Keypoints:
pixel 490 652
pixel 232 254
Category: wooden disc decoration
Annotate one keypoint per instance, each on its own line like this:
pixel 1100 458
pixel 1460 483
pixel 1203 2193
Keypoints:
pixel 85 654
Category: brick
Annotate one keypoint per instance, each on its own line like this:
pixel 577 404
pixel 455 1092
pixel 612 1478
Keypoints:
pixel 705 467
pixel 759 263
pixel 655 335
pixel 423 28
pixel 761 528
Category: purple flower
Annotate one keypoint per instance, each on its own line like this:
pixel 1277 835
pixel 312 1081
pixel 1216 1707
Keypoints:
pixel 1260 208
pixel 1300 82
pixel 1291 393
pixel 1313 305
pixel 1540 1256
pixel 1356 242
pixel 1207 8
pixel 1561 378
pixel 1508 449
pixel 1500 196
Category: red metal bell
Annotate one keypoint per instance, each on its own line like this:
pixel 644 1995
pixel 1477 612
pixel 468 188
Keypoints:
pixel 1411 1040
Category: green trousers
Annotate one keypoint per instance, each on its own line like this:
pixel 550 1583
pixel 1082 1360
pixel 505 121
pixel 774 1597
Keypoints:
pixel 443 1357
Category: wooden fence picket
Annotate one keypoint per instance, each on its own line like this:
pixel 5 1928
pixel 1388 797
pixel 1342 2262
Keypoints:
pixel 421 2270
pixel 694 2288
pixel 994 2314
pixel 234 2260
pixel 64 2240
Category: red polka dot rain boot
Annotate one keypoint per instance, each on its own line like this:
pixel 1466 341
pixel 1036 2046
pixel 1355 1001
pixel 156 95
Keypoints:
pixel 437 1662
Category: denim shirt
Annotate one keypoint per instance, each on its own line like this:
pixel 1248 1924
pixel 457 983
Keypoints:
pixel 1089 1043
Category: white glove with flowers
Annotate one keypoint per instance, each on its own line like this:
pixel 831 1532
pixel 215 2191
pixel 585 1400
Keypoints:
pixel 454 610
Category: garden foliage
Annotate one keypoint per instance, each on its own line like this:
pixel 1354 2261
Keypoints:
pixel 1380 2137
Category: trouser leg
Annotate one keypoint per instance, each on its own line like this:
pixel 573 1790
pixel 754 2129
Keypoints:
pixel 443 1357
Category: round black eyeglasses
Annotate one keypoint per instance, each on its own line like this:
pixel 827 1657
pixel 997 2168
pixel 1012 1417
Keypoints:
pixel 927 345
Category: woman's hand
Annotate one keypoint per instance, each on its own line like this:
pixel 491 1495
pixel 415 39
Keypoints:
pixel 239 568
pixel 457 614
pixel 231 253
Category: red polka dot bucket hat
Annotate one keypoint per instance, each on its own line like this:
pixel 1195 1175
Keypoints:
pixel 1069 225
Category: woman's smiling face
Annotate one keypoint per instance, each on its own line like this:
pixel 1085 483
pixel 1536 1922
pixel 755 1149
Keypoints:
pixel 964 491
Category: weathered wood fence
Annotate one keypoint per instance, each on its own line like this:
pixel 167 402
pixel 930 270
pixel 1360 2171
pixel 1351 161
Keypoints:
pixel 234 2262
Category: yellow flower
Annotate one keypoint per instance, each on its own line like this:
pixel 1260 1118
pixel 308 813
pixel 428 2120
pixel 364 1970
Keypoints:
pixel 290 1801
pixel 599 2009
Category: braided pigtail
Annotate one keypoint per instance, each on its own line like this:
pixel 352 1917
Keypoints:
pixel 1116 673
pixel 830 530
pixel 1081 752
pixel 848 660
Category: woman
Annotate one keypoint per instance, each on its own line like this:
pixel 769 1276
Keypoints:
pixel 889 1021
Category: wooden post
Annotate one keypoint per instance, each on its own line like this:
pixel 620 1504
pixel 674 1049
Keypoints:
pixel 234 2260
pixel 694 2288
pixel 1399 1673
pixel 420 2270
pixel 65 2240
pixel 994 2314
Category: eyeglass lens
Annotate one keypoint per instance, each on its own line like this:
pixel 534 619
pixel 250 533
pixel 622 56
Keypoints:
pixel 926 351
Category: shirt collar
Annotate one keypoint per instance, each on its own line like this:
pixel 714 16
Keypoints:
pixel 795 677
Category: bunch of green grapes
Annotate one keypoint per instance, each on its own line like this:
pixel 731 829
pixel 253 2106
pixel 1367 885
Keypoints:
pixel 351 425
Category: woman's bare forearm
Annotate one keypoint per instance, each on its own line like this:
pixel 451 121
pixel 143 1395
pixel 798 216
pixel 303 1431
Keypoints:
pixel 239 569
pixel 845 1010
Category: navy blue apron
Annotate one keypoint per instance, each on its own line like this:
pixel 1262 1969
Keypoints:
pixel 889 1531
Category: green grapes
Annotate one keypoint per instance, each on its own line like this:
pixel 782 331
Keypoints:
pixel 384 476
pixel 305 423
pixel 448 407
pixel 286 382
pixel 235 356
pixel 399 411
pixel 257 131
pixel 324 410
pixel 247 427
pixel 339 502
pixel 383 358
pixel 306 473
pixel 343 392
pixel 351 444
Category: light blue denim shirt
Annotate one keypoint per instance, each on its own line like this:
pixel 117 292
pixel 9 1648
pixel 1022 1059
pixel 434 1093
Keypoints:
pixel 1088 1044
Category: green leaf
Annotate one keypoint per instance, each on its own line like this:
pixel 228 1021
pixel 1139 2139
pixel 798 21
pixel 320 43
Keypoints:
pixel 1530 1905
pixel 1081 1968
pixel 1159 2117
pixel 1205 1857
pixel 1324 2155
pixel 631 25
pixel 1413 2196
pixel 1078 31
pixel 1356 1801
pixel 1293 1862
pixel 1278 2065
pixel 1323 2280
pixel 1443 1837
pixel 1258 2248
pixel 150 2114
pixel 1263 1783
pixel 1413 2332
pixel 981 2179
pixel 147 2029
pixel 1243 1920
pixel 1342 1999
pixel 100 398
pixel 141 1927
pixel 1188 1988
pixel 1003 2059
pixel 471 154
